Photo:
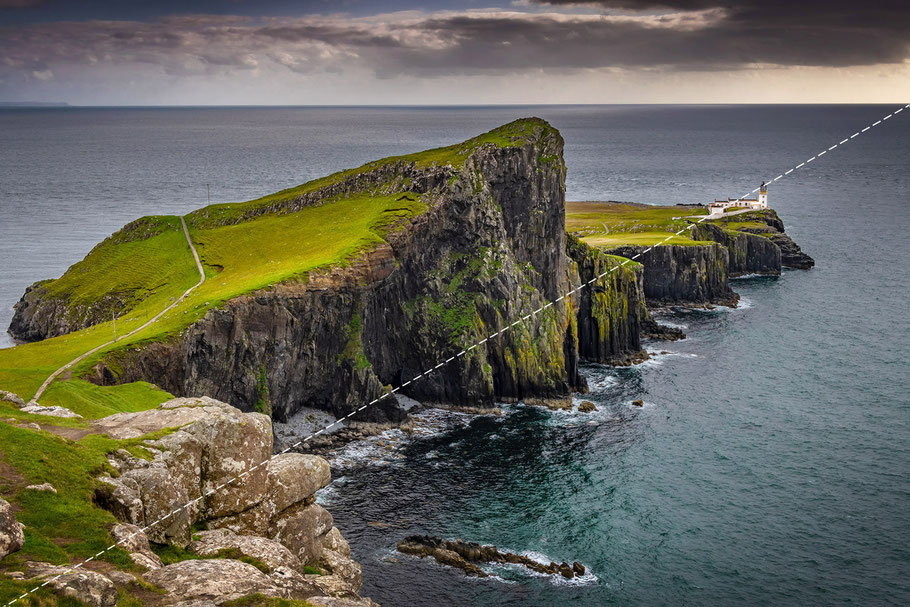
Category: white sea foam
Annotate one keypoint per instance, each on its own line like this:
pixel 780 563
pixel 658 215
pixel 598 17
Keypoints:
pixel 582 580
pixel 387 448
pixel 744 303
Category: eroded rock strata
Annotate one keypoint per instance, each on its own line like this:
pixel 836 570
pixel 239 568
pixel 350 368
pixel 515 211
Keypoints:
pixel 490 248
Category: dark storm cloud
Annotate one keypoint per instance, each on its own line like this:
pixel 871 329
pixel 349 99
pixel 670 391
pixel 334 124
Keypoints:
pixel 873 30
pixel 633 34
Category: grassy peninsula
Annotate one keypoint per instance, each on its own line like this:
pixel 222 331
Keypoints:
pixel 243 247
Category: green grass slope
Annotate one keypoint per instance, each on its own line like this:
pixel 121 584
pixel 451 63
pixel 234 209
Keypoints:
pixel 612 224
pixel 148 264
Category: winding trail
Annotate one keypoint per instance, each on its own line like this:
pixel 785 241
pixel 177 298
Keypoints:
pixel 55 374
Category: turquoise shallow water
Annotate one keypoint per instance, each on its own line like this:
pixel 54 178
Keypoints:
pixel 771 462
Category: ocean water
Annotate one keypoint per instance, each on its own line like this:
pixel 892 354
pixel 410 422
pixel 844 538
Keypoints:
pixel 771 461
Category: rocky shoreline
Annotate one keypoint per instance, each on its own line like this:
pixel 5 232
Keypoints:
pixel 206 487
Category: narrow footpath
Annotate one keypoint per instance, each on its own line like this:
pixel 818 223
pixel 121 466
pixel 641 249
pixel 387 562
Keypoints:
pixel 55 374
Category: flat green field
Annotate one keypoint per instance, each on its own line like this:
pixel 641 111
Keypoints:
pixel 613 224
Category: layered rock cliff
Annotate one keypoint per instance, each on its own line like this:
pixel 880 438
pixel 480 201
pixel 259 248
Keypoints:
pixel 490 248
pixel 487 247
pixel 773 229
pixel 746 253
pixel 39 315
pixel 611 312
pixel 696 273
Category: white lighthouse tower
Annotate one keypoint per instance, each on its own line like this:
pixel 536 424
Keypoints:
pixel 763 196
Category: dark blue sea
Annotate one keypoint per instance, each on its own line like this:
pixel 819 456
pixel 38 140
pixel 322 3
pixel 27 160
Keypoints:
pixel 770 464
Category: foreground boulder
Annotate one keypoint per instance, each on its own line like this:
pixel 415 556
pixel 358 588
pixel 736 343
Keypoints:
pixel 262 530
pixel 216 581
pixel 85 586
pixel 269 552
pixel 12 536
pixel 132 539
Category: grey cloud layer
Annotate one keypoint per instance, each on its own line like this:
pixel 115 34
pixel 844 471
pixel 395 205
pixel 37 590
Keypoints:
pixel 686 34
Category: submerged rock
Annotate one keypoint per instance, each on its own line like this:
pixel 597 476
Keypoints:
pixel 463 555
pixel 587 406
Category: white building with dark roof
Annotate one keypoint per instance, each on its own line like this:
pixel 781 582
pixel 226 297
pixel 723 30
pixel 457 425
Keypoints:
pixel 719 207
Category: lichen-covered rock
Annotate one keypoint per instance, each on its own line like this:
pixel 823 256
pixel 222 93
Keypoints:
pixel 343 567
pixel 134 541
pixel 43 487
pixel 270 552
pixel 333 540
pixel 12 535
pixel 13 398
pixel 216 443
pixel 52 411
pixel 301 530
pixel 293 477
pixel 122 498
pixel 215 580
pixel 276 521
pixel 86 586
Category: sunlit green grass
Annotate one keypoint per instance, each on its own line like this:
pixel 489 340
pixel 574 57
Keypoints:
pixel 238 259
pixel 65 525
pixel 148 270
pixel 613 224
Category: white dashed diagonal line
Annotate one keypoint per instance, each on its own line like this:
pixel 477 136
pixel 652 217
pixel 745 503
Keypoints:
pixel 392 391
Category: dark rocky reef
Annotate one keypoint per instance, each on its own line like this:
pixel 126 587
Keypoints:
pixel 463 555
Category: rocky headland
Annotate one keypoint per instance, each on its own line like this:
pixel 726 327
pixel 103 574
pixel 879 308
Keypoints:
pixel 465 256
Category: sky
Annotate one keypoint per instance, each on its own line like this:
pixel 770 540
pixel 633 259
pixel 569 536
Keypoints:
pixel 401 52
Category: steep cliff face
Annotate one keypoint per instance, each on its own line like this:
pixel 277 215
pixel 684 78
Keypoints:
pixel 611 313
pixel 684 273
pixel 747 253
pixel 768 225
pixel 489 248
pixel 39 315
